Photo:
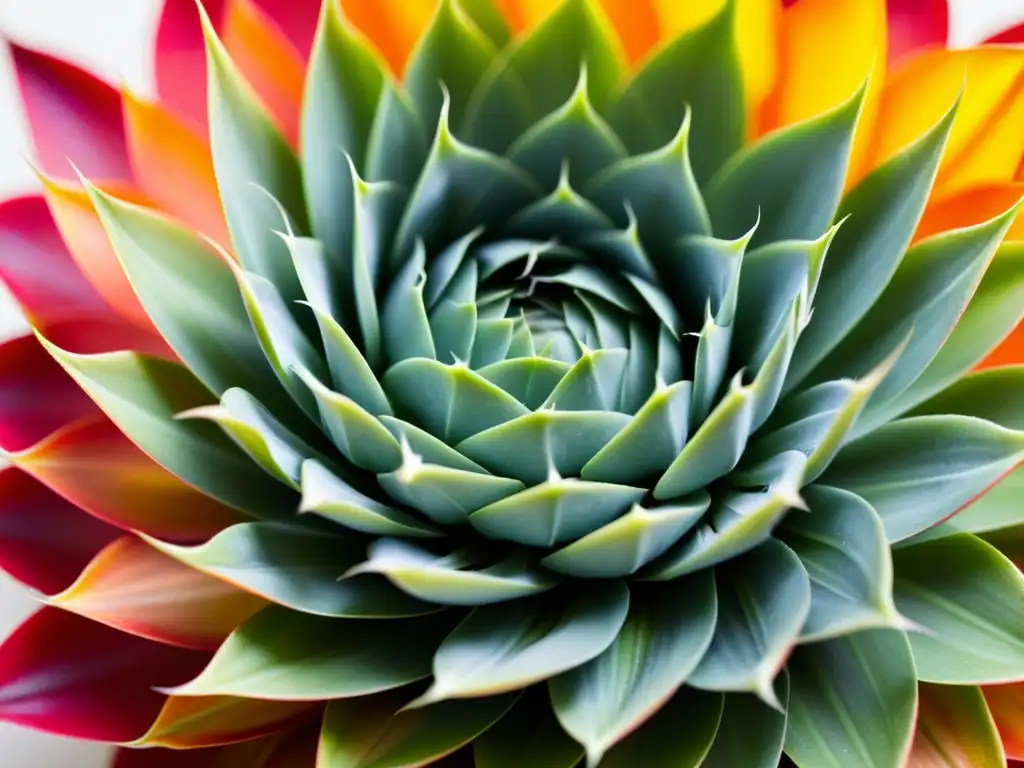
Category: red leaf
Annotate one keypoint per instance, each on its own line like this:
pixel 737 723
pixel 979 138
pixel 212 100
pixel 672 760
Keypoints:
pixel 64 674
pixel 36 396
pixel 915 25
pixel 94 465
pixel 72 115
pixel 135 588
pixel 91 337
pixel 1006 703
pixel 1008 36
pixel 181 56
pixel 37 268
pixel 45 541
pixel 297 19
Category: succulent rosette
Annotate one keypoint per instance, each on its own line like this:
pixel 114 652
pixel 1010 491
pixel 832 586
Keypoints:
pixel 501 383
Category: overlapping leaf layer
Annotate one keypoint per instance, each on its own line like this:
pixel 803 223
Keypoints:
pixel 561 428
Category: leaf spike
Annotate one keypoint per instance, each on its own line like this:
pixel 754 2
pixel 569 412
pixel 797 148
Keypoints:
pixel 764 689
pixel 411 464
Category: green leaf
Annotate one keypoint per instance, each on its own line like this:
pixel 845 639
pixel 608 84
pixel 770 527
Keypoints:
pixel 649 443
pixel 512 645
pixel 574 136
pixel 373 733
pixel 297 568
pixel 592 384
pixel 529 380
pixel 187 288
pixel 879 218
pixel 143 395
pixel 284 343
pixel 994 311
pixel 843 548
pixel 992 394
pixel 489 19
pixel 451 402
pixel 256 170
pixel 604 700
pixel 820 420
pixel 996 513
pixel 528 735
pixel 750 733
pixel 966 596
pixel 852 702
pixel 398 143
pixel 528 447
pixel 491 343
pixel 555 511
pixel 704 275
pixel 924 300
pixel 916 472
pixel 404 324
pixel 254 429
pixel 460 187
pixel 453 53
pixel 428 447
pixel 343 87
pixel 445 495
pixel 564 213
pixel 362 439
pixel 657 190
pixel 351 374
pixel 771 280
pixel 680 734
pixel 738 523
pixel 456 579
pixel 763 599
pixel 699 70
pixel 715 449
pixel 794 177
pixel 329 496
pixel 628 543
pixel 283 655
pixel 535 76
pixel 376 209
pixel 954 727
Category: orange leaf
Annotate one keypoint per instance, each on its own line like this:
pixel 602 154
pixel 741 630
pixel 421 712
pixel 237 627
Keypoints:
pixel 993 154
pixel 394 26
pixel 92 464
pixel 135 588
pixel 1009 352
pixel 89 247
pixel 846 39
pixel 173 166
pixel 636 24
pixel 918 94
pixel 268 61
pixel 954 729
pixel 193 722
pixel 973 207
pixel 1006 703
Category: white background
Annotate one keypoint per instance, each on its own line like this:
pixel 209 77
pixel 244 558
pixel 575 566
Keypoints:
pixel 113 38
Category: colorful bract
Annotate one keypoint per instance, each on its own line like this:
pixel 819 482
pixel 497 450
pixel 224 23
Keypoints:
pixel 520 383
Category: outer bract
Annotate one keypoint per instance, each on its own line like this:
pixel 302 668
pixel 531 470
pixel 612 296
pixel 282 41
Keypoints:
pixel 504 383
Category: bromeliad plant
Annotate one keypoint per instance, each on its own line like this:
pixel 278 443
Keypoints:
pixel 565 383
